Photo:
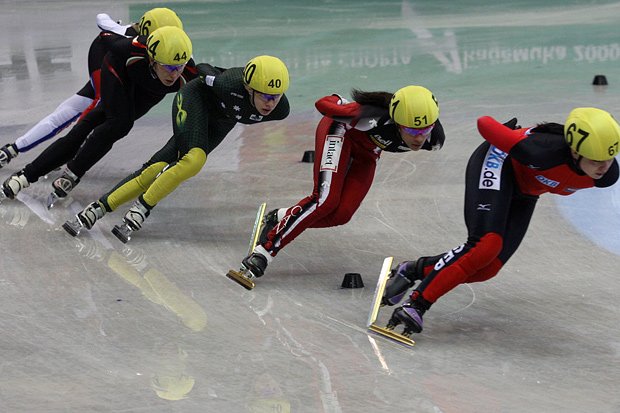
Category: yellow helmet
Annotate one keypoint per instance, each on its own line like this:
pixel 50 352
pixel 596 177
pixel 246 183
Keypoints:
pixel 414 107
pixel 592 133
pixel 266 74
pixel 158 17
pixel 169 45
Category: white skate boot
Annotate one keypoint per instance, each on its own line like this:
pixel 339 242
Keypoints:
pixel 14 184
pixel 86 218
pixel 7 152
pixel 62 186
pixel 132 221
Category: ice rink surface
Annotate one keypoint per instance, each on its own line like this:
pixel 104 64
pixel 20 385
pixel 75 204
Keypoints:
pixel 89 324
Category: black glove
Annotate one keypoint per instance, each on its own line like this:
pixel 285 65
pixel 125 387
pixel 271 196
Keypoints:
pixel 512 124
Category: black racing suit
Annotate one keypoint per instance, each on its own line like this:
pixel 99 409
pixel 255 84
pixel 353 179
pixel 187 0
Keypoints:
pixel 504 178
pixel 129 89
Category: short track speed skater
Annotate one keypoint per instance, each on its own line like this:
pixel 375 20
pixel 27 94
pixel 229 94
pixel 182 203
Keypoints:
pixel 243 276
pixel 387 331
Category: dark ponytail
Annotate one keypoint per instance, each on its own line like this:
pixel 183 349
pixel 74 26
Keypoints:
pixel 380 99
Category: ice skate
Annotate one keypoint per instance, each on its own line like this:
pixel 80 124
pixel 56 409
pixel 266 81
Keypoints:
pixel 7 152
pixel 132 221
pixel 408 315
pixel 257 228
pixel 122 232
pixel 62 186
pixel 243 276
pixel 376 306
pixel 270 220
pixel 253 266
pixel 402 277
pixel 86 218
pixel 73 226
pixel 14 184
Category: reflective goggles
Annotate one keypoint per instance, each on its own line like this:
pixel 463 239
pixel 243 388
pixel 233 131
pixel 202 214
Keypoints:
pixel 416 131
pixel 173 68
pixel 267 97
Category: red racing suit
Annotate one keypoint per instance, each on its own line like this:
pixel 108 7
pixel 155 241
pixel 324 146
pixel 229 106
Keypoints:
pixel 348 143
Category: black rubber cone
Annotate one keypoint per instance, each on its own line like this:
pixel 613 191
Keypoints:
pixel 352 280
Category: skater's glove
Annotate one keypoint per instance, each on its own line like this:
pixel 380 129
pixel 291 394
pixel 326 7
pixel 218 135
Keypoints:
pixel 512 124
pixel 342 101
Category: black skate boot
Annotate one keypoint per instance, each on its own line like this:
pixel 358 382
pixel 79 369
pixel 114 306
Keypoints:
pixel 14 184
pixel 270 220
pixel 62 186
pixel 410 314
pixel 86 218
pixel 252 266
pixel 255 264
pixel 7 152
pixel 402 277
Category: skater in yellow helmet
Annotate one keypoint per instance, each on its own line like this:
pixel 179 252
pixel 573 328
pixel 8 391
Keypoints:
pixel 504 178
pixel 78 105
pixel 204 112
pixel 136 74
pixel 348 143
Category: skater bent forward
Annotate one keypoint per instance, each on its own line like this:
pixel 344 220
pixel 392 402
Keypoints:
pixel 355 134
pixel 508 172
pixel 203 113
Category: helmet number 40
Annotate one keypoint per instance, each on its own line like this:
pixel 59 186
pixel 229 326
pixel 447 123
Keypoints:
pixel 277 83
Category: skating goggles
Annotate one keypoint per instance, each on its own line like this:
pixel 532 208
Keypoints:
pixel 416 131
pixel 173 68
pixel 267 97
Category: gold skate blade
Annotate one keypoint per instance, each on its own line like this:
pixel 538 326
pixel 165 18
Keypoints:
pixel 241 279
pixel 379 289
pixel 258 225
pixel 391 334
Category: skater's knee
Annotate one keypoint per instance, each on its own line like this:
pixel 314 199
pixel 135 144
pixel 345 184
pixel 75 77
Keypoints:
pixel 483 253
pixel 342 215
pixel 191 163
pixel 117 129
pixel 490 245
pixel 487 272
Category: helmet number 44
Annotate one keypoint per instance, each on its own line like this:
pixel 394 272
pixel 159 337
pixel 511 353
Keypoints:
pixel 176 58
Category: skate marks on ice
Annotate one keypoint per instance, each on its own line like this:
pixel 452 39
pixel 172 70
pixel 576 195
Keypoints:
pixel 376 306
pixel 243 277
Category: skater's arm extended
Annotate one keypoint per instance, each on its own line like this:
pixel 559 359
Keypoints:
pixel 333 107
pixel 499 135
